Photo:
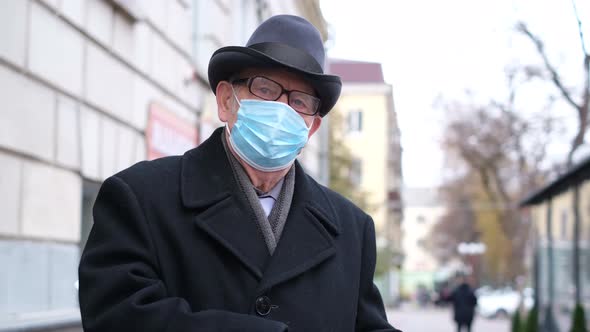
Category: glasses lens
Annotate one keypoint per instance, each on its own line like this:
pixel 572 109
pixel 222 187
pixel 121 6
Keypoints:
pixel 265 88
pixel 304 103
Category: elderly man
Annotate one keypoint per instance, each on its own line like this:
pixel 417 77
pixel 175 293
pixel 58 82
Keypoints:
pixel 233 235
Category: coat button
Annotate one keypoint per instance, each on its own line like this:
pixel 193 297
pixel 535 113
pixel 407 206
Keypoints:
pixel 263 305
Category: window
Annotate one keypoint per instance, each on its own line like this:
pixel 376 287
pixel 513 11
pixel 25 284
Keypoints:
pixel 563 228
pixel 89 193
pixel 356 168
pixel 354 121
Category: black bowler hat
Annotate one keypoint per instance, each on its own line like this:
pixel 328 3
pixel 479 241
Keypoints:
pixel 283 41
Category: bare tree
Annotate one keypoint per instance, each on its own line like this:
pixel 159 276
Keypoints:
pixel 581 102
pixel 503 152
pixel 457 224
pixel 504 156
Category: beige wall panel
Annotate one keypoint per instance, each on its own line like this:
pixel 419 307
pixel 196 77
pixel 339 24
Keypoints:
pixel 51 203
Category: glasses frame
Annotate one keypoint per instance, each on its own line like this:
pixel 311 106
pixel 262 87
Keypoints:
pixel 250 80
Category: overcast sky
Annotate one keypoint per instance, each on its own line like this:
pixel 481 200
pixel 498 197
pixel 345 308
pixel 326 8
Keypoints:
pixel 432 48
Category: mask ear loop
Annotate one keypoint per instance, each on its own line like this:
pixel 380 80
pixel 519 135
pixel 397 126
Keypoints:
pixel 308 128
pixel 236 99
pixel 233 111
pixel 311 124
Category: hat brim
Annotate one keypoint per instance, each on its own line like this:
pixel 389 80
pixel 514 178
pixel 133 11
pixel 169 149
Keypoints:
pixel 232 59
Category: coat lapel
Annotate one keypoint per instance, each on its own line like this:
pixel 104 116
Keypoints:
pixel 233 228
pixel 207 186
pixel 307 239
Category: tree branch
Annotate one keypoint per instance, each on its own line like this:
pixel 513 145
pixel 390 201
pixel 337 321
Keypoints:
pixel 580 28
pixel 554 76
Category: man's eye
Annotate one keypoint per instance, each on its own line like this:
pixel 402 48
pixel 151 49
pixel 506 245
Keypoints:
pixel 299 103
pixel 265 91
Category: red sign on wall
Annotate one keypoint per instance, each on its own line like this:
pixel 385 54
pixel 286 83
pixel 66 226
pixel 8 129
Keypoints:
pixel 167 134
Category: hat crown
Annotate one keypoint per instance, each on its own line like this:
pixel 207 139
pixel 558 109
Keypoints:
pixel 282 41
pixel 293 31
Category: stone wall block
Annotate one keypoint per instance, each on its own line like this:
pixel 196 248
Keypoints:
pixel 91 135
pixel 55 50
pixel 51 207
pixel 13 15
pixel 109 153
pixel 74 11
pixel 10 193
pixel 27 118
pixel 68 132
pixel 99 20
pixel 109 83
pixel 125 148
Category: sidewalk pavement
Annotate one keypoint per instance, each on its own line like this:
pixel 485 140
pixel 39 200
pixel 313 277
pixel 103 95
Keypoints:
pixel 410 318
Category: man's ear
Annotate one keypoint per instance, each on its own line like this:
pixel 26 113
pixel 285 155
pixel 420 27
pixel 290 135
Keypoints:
pixel 224 97
pixel 315 126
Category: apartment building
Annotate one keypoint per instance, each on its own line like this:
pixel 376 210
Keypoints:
pixel 370 132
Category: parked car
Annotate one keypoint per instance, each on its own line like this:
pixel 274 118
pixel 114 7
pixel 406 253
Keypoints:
pixel 495 303
pixel 443 296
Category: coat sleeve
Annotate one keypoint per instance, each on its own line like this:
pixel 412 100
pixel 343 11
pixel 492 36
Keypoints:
pixel 120 289
pixel 371 315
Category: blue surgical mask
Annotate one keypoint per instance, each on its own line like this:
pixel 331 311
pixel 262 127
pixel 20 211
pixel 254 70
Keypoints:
pixel 268 135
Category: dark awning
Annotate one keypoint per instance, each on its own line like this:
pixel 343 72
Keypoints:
pixel 575 175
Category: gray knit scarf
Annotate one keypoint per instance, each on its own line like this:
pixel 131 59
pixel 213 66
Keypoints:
pixel 271 227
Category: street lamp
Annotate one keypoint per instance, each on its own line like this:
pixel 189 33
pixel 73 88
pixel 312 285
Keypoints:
pixel 470 249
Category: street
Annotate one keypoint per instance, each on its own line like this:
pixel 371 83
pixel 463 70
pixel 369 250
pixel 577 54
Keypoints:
pixel 410 318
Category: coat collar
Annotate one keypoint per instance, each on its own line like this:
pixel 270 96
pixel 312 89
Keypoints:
pixel 207 178
pixel 208 186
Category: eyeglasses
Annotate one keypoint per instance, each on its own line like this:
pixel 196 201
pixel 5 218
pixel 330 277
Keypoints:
pixel 268 89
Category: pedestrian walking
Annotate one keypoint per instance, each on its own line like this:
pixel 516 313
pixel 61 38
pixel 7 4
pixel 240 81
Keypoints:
pixel 234 235
pixel 464 302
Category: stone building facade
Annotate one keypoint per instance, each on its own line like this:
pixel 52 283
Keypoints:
pixel 89 87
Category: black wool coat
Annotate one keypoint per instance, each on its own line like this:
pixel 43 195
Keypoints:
pixel 464 303
pixel 173 248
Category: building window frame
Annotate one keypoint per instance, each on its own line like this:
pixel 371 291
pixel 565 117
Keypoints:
pixel 356 171
pixel 354 121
